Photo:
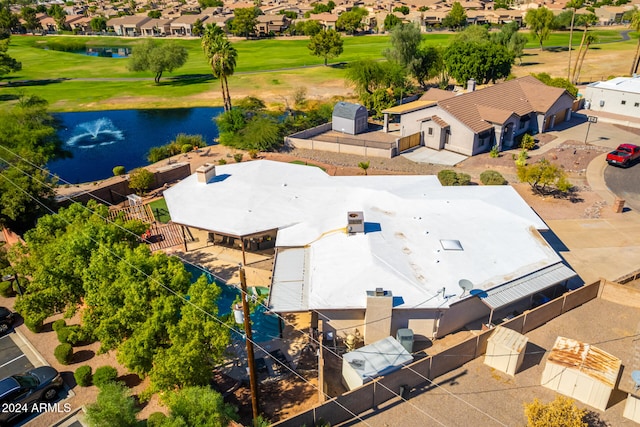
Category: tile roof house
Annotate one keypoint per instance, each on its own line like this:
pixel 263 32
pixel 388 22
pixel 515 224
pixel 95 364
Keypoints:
pixel 128 25
pixel 473 122
pixel 377 253
pixel 183 26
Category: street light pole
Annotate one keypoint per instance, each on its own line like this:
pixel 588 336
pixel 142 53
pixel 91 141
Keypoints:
pixel 253 380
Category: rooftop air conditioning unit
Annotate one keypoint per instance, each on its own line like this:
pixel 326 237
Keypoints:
pixel 355 222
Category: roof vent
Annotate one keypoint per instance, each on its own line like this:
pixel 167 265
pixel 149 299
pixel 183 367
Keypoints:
pixel 471 85
pixel 206 172
pixel 355 222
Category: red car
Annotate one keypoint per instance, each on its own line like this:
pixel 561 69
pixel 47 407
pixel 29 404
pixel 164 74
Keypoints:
pixel 624 155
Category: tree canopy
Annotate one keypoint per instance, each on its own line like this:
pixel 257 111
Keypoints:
pixel 245 21
pixel 544 177
pixel 113 407
pixel 390 21
pixel 540 21
pixel 562 412
pixel 199 406
pixel 131 300
pixel 456 18
pixel 351 22
pixel 326 44
pixel 7 63
pixel 157 57
pixel 483 61
pixel 222 57
pixel 378 84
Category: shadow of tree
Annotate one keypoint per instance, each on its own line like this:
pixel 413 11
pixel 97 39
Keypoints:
pixel 9 97
pixel 130 380
pixel 187 79
pixel 83 356
pixel 43 82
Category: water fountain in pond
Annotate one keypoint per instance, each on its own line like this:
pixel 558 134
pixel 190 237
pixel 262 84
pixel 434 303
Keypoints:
pixel 95 133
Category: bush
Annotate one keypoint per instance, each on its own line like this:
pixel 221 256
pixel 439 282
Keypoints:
pixel 119 170
pixel 522 158
pixel 79 335
pixel 494 153
pixel 447 177
pixel 222 162
pixel 156 419
pixel 527 142
pixel 253 154
pixel 491 177
pixel 186 148
pixel 63 353
pixel 105 375
pixel 6 289
pixel 58 324
pixel 63 335
pixel 34 321
pixel 238 157
pixel 82 376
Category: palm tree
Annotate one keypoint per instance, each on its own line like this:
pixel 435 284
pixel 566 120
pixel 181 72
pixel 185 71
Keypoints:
pixel 635 25
pixel 586 20
pixel 573 5
pixel 364 166
pixel 221 56
pixel 590 38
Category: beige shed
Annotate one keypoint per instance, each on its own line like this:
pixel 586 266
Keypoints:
pixel 582 372
pixel 505 350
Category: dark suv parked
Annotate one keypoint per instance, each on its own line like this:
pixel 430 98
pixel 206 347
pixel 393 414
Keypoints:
pixel 6 319
pixel 19 393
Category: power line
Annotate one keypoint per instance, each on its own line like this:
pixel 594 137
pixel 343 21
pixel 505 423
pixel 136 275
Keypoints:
pixel 211 315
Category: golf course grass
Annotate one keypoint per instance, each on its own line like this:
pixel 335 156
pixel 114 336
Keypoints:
pixel 76 82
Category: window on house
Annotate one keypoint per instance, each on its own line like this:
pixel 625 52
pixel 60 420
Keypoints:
pixel 637 104
pixel 430 131
pixel 623 102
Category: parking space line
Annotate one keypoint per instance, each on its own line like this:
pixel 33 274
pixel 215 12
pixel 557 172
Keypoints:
pixel 12 360
pixel 4 336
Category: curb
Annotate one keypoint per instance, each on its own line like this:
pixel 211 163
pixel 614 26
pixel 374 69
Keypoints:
pixel 31 349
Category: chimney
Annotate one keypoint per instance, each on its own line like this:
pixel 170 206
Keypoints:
pixel 355 222
pixel 206 172
pixel 471 85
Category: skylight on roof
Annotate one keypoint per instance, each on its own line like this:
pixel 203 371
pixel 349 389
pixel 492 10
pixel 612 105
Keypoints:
pixel 451 245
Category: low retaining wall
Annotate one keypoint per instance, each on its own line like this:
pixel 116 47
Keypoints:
pixel 366 149
pixel 378 391
pixel 310 133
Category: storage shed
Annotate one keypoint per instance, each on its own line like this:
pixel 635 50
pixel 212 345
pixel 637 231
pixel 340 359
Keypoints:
pixel 349 118
pixel 582 372
pixel 505 350
pixel 373 360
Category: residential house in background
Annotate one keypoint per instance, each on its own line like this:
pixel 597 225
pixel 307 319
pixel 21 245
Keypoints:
pixel 271 24
pixel 127 25
pixel 183 26
pixel 473 122
pixel 156 27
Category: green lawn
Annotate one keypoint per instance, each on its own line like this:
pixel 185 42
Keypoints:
pixel 263 65
pixel 160 211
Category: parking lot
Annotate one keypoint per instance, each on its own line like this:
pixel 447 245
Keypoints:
pixel 12 359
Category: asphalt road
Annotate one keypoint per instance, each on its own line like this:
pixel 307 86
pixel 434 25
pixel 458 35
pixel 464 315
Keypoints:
pixel 625 183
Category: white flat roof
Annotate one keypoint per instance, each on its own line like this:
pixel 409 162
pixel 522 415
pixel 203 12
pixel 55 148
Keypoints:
pixel 622 84
pixel 320 266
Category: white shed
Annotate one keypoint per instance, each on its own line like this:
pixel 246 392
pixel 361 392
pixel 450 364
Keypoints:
pixel 582 372
pixel 505 350
pixel 349 118
pixel 373 360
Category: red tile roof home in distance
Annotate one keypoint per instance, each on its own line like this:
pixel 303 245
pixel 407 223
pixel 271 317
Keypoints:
pixel 435 94
pixel 522 96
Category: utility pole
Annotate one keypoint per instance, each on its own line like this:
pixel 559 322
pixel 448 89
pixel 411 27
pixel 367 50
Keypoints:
pixel 253 380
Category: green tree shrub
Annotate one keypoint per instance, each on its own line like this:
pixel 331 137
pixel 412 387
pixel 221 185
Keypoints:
pixel 222 162
pixel 34 321
pixel 63 353
pixel 186 148
pixel 113 407
pixel 238 157
pixel 253 154
pixel 82 376
pixel 463 179
pixel 104 375
pixel 527 142
pixel 544 177
pixel 491 177
pixel 63 335
pixel 562 412
pixel 119 170
pixel 156 419
pixel 140 180
pixel 522 158
pixel 200 406
pixel 495 152
pixel 6 289
pixel 447 177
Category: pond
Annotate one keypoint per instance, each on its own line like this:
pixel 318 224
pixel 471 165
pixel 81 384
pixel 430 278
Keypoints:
pixel 100 140
pixel 107 52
